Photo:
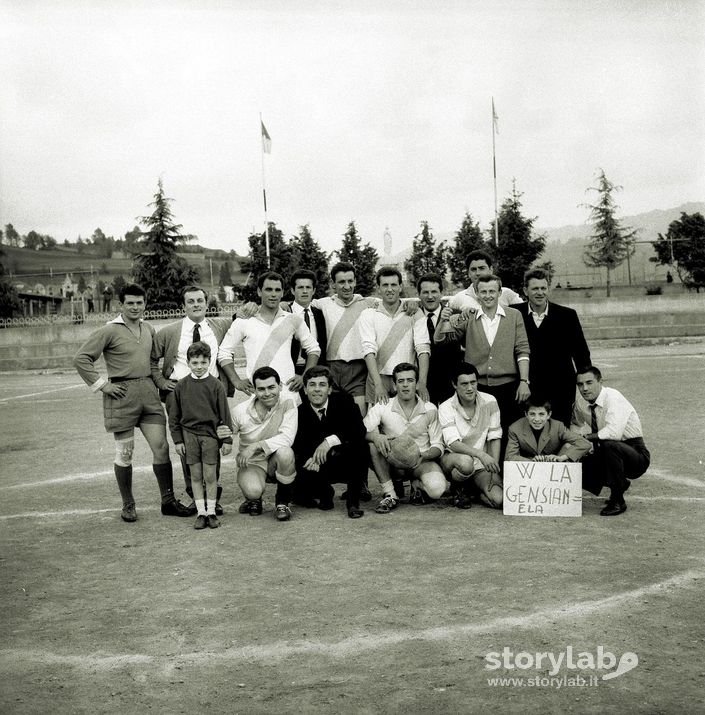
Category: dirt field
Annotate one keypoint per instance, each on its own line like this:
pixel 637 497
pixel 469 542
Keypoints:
pixel 391 613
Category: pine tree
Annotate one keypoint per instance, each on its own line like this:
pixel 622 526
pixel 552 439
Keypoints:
pixel 9 300
pixel 468 238
pixel 363 257
pixel 280 254
pixel 157 267
pixel 306 253
pixel 518 246
pixel 611 243
pixel 425 257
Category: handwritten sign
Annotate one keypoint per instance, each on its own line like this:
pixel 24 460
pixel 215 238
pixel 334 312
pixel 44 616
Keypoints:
pixel 543 489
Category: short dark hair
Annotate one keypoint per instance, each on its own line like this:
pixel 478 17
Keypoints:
pixel 536 399
pixel 193 289
pixel 589 368
pixel 132 289
pixel 479 256
pixel 302 274
pixel 387 271
pixel 464 368
pixel 404 367
pixel 198 349
pixel 318 371
pixel 429 278
pixel 489 278
pixel 342 267
pixel 269 276
pixel 264 373
pixel 540 274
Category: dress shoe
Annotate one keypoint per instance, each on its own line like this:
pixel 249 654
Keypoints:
pixel 213 522
pixel 201 522
pixel 218 509
pixel 191 508
pixel 128 513
pixel 244 508
pixel 175 508
pixel 354 512
pixel 614 507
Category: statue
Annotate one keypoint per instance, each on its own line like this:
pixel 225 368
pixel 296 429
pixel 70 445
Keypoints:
pixel 387 242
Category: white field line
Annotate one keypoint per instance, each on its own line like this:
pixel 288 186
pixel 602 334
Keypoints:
pixel 43 392
pixel 675 479
pixel 362 642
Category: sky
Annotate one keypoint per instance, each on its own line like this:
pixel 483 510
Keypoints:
pixel 379 112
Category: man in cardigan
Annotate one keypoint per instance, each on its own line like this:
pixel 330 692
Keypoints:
pixel 557 344
pixel 170 345
pixel 497 345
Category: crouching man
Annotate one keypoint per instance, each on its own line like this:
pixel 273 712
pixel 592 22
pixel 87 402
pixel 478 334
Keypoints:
pixel 330 443
pixel 405 443
pixel 471 428
pixel 267 428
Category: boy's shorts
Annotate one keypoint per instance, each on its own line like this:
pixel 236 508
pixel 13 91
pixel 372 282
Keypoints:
pixel 139 405
pixel 350 376
pixel 200 448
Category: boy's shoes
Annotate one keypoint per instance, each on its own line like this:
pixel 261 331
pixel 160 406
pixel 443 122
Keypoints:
pixel 218 509
pixel 282 512
pixel 201 522
pixel 213 522
pixel 175 508
pixel 128 513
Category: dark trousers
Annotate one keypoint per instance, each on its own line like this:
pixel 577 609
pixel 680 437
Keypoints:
pixel 613 463
pixel 509 410
pixel 345 464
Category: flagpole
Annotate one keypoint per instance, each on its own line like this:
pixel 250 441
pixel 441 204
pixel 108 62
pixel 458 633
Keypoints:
pixel 494 170
pixel 264 197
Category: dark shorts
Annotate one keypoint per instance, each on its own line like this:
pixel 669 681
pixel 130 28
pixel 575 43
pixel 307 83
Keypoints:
pixel 388 383
pixel 200 448
pixel 139 405
pixel 349 376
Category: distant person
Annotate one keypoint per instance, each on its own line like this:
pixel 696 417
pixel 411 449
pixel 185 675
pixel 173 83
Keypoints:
pixel 669 277
pixel 557 345
pixel 107 298
pixel 198 406
pixel 607 419
pixel 537 437
pixel 479 264
pixel 130 397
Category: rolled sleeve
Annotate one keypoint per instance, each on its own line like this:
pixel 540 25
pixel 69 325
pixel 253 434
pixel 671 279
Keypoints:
pixel 373 418
pixel 308 342
pixel 368 339
pixel 232 339
pixel 421 337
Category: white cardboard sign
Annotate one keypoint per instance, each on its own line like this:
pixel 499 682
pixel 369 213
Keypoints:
pixel 543 489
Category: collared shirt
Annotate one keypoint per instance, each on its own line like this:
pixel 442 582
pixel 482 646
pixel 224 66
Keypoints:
pixel 468 298
pixel 490 325
pixel 253 334
pixel 476 431
pixel 333 439
pixel 376 324
pixel 435 316
pixel 422 426
pixel 616 417
pixel 538 317
pixel 297 309
pixel 349 346
pixel 181 368
pixel 277 429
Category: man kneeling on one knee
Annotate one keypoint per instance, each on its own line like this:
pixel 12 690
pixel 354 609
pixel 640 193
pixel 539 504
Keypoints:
pixel 405 443
pixel 470 422
pixel 267 428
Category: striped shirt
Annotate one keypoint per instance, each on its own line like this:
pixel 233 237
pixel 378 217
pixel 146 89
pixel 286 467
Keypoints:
pixel 422 426
pixel 349 347
pixel 276 430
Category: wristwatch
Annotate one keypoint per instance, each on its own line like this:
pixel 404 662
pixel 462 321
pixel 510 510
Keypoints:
pixel 525 380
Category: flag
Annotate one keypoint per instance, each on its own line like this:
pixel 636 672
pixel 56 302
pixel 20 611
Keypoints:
pixel 266 139
pixel 495 119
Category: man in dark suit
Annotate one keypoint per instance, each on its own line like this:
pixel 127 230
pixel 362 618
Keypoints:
pixel 557 344
pixel 330 444
pixel 445 357
pixel 303 286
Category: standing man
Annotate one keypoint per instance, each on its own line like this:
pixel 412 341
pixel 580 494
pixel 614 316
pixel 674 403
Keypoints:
pixel 303 286
pixel 390 337
pixel 471 428
pixel 330 443
pixel 496 344
pixel 557 345
pixel 130 397
pixel 171 344
pixel 478 264
pixel 446 356
pixel 406 416
pixel 267 425
pixel 608 420
pixel 267 338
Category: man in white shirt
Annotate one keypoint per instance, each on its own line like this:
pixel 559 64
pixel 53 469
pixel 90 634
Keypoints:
pixel 605 417
pixel 303 286
pixel 390 336
pixel 478 264
pixel 266 339
pixel 266 425
pixel 409 416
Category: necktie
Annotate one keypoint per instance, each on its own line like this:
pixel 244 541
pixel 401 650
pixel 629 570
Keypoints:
pixel 593 418
pixel 321 413
pixel 431 327
pixel 307 320
pixel 196 333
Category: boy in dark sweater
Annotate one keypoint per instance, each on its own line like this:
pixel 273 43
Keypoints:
pixel 199 406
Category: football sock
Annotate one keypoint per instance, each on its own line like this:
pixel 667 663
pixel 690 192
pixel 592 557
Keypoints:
pixel 123 475
pixel 201 507
pixel 388 489
pixel 165 479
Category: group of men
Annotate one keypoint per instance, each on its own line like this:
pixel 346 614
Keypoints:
pixel 420 390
